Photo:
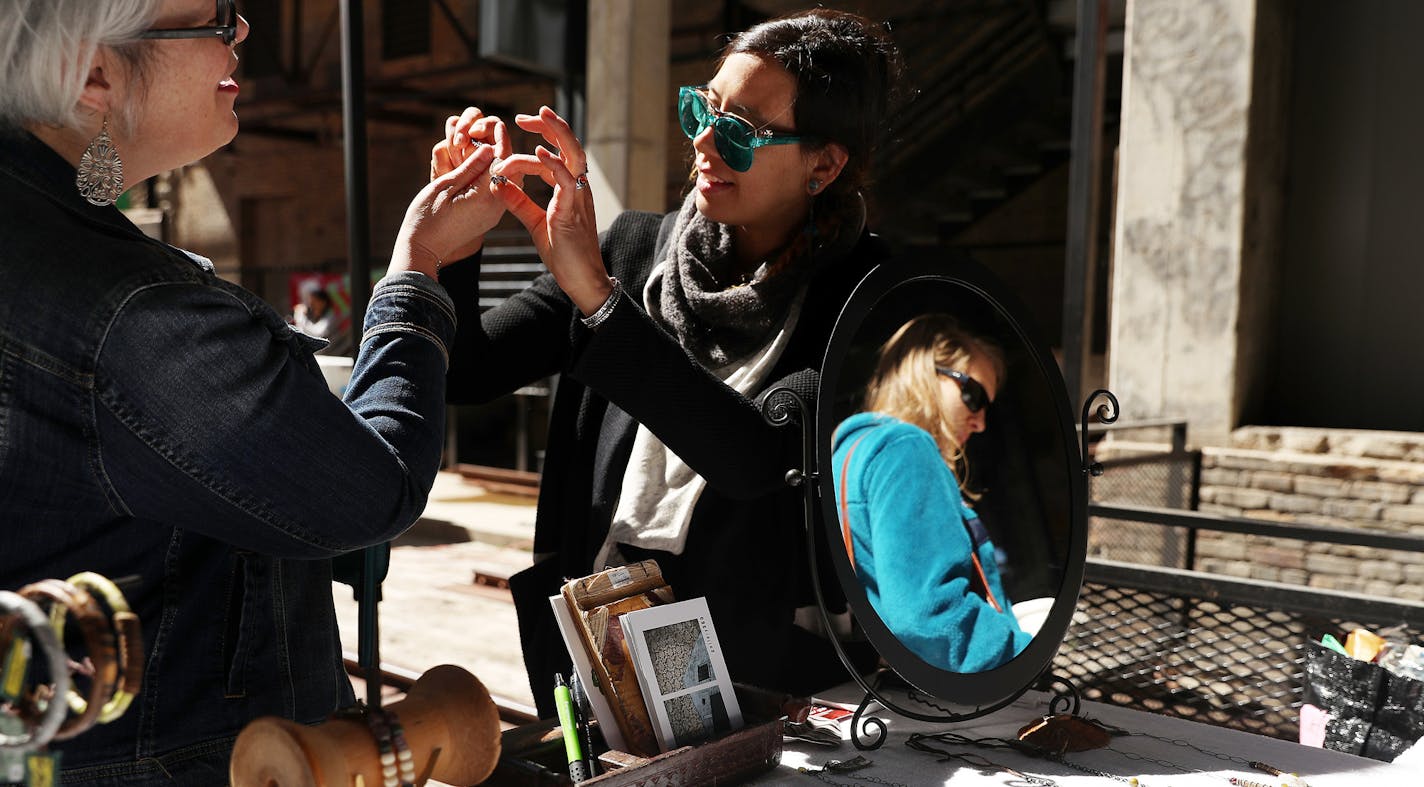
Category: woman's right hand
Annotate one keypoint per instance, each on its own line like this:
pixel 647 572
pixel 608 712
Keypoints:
pixel 565 233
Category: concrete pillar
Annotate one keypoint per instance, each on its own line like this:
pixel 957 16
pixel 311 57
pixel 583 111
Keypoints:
pixel 628 105
pixel 1198 209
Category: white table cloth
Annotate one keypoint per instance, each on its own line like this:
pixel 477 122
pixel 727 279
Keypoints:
pixel 895 763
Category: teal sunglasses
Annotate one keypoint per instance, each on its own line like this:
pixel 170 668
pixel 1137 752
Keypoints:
pixel 736 138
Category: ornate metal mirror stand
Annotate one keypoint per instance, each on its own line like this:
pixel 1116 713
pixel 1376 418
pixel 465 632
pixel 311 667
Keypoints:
pixel 784 407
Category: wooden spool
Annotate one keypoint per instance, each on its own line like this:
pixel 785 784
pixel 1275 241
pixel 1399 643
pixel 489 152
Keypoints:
pixel 447 709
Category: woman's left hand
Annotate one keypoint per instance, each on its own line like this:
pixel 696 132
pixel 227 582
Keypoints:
pixel 565 234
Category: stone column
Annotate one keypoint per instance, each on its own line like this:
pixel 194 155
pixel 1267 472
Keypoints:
pixel 628 105
pixel 1198 209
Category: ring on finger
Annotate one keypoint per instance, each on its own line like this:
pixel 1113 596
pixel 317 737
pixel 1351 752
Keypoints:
pixel 581 182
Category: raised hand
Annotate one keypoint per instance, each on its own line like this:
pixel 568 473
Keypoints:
pixel 464 134
pixel 448 216
pixel 565 233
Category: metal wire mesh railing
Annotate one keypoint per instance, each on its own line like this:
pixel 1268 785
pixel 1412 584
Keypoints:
pixel 1217 650
pixel 1151 634
pixel 1165 477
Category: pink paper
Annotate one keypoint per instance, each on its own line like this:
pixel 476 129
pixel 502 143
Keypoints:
pixel 1312 726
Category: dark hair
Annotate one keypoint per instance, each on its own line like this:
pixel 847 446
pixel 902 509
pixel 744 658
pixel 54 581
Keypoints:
pixel 845 68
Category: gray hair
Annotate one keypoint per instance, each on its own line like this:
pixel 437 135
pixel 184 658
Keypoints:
pixel 45 50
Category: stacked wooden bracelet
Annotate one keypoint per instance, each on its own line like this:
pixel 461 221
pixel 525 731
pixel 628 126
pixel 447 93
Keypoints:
pixel 18 610
pixel 129 638
pixel 112 662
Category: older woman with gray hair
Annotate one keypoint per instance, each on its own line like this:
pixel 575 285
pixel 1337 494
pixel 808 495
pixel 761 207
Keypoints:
pixel 160 423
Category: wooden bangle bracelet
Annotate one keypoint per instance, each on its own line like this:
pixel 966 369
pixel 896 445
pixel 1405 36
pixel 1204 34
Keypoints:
pixel 43 729
pixel 98 641
pixel 130 645
pixel 8 621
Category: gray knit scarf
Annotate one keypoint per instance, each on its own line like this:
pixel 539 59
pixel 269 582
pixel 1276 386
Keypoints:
pixel 712 312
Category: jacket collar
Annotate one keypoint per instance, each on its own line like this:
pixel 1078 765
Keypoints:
pixel 36 165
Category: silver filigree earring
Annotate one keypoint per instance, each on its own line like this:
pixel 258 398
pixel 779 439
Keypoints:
pixel 100 178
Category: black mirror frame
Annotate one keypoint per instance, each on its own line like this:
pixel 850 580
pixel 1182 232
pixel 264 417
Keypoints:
pixel 983 690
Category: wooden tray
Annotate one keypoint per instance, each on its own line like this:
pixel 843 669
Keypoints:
pixel 533 755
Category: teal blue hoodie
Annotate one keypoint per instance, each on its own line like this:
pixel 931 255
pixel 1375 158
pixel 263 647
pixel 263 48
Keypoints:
pixel 912 548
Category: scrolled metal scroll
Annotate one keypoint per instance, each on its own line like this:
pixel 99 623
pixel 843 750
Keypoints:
pixel 1065 695
pixel 1105 415
pixel 860 722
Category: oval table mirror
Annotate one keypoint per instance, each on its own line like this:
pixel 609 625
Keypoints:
pixel 1025 480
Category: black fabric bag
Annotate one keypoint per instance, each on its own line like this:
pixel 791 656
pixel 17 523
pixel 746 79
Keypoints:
pixel 1374 712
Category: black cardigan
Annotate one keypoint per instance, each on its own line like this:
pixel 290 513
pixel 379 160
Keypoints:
pixel 745 546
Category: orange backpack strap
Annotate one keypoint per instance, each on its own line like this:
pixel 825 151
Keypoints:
pixel 984 584
pixel 845 507
pixel 979 583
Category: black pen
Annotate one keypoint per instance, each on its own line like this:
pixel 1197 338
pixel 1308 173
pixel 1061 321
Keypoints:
pixel 583 714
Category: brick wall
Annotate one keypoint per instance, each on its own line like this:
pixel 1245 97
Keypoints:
pixel 1340 478
pixel 1370 480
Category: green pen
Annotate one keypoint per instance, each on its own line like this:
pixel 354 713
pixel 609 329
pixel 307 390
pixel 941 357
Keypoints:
pixel 564 702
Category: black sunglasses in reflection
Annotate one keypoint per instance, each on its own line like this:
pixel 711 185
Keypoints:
pixel 224 26
pixel 971 391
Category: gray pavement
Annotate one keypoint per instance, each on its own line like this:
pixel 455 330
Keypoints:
pixel 432 612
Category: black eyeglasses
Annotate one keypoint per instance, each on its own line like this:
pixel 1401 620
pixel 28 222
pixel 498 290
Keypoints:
pixel 971 391
pixel 225 27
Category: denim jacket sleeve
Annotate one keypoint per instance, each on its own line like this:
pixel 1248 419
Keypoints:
pixel 213 416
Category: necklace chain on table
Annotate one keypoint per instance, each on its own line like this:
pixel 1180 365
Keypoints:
pixel 1058 758
pixel 844 768
pixel 917 741
pixel 1290 779
pixel 1193 746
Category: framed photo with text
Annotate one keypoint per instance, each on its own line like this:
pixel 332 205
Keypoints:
pixel 681 672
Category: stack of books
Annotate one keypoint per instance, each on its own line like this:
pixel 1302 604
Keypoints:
pixel 657 680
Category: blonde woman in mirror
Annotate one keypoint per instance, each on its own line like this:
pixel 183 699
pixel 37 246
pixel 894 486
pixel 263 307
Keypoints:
pixel 918 548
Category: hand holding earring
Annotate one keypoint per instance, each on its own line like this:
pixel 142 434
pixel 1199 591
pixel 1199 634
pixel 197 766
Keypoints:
pixel 466 135
pixel 566 233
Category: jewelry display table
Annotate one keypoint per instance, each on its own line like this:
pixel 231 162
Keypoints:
pixel 1161 751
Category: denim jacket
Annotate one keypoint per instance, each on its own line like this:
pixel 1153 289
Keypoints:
pixel 160 424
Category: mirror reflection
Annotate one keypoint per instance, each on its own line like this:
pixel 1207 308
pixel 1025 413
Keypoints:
pixel 947 464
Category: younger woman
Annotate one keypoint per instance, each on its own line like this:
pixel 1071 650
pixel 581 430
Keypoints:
pixel 668 330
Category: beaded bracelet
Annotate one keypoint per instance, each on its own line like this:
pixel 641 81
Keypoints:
pixel 397 763
pixel 42 730
pixel 603 312
pixel 385 746
pixel 404 759
pixel 98 642
pixel 130 645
